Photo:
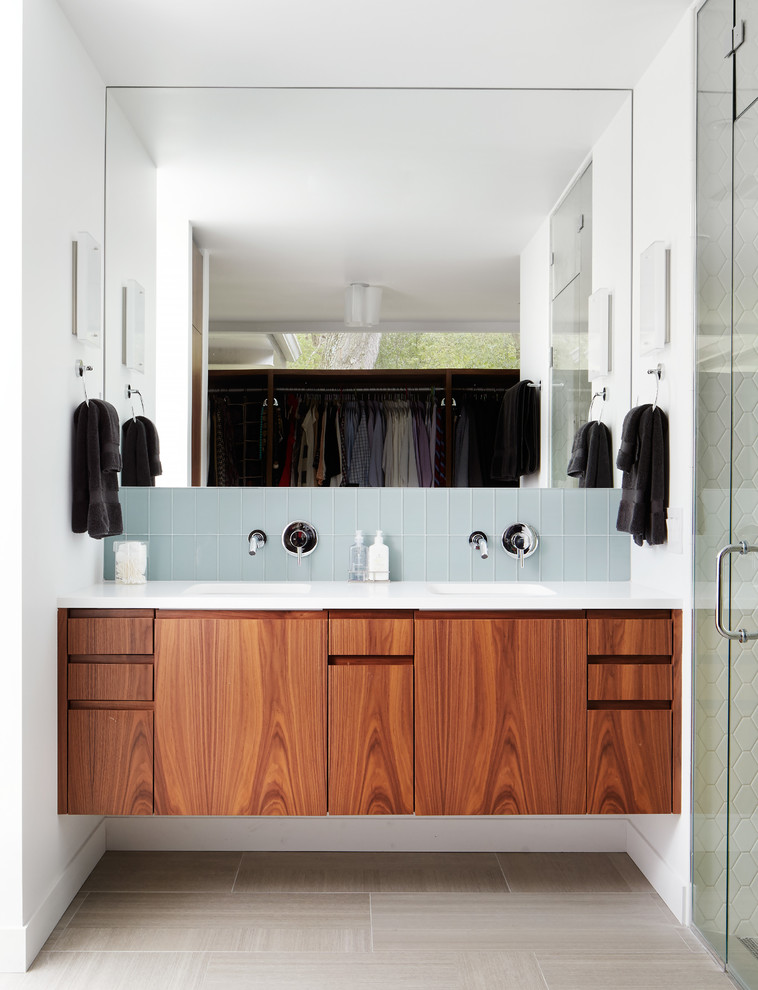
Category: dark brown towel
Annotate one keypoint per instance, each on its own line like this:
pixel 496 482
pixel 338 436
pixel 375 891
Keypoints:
pixel 141 453
pixel 517 439
pixel 136 470
pixel 153 446
pixel 627 454
pixel 96 462
pixel 591 456
pixel 645 485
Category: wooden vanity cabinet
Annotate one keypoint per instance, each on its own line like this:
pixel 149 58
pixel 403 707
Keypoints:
pixel 371 713
pixel 500 713
pixel 634 712
pixel 105 718
pixel 240 713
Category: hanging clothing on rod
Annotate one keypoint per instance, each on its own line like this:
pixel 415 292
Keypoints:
pixel 385 436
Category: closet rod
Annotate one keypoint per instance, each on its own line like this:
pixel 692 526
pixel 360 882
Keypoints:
pixel 347 390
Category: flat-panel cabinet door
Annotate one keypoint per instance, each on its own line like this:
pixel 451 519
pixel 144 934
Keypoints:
pixel 240 714
pixel 500 716
pixel 629 762
pixel 371 739
pixel 110 762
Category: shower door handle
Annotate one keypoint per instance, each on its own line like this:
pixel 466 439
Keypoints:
pixel 742 635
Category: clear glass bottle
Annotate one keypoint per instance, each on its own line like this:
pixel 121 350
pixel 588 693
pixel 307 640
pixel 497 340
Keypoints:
pixel 358 565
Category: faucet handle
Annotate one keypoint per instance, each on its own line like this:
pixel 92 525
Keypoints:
pixel 299 539
pixel 520 541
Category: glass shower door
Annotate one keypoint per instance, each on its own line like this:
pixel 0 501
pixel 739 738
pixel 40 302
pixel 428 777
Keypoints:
pixel 713 457
pixel 725 779
pixel 740 594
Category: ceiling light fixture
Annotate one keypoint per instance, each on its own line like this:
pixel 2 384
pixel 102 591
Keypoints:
pixel 362 304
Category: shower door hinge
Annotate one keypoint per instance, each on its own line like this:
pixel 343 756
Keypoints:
pixel 581 222
pixel 736 39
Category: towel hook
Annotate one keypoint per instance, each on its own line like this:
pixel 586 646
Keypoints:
pixel 658 372
pixel 81 368
pixel 602 394
pixel 135 391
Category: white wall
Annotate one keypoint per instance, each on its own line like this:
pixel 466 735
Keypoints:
pixel 611 269
pixel 130 210
pixel 63 108
pixel 664 205
pixel 11 913
pixel 612 260
pixel 173 333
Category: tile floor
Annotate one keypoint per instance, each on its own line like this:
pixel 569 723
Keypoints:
pixel 352 921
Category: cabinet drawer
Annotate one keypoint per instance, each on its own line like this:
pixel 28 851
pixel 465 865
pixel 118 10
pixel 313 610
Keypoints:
pixel 110 682
pixel 356 634
pixel 629 682
pixel 92 635
pixel 615 636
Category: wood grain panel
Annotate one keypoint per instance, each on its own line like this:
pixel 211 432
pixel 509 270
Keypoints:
pixel 676 713
pixel 110 635
pixel 110 681
pixel 240 715
pixel 110 762
pixel 62 711
pixel 500 716
pixel 371 739
pixel 111 613
pixel 102 658
pixel 629 682
pixel 356 634
pixel 618 636
pixel 628 762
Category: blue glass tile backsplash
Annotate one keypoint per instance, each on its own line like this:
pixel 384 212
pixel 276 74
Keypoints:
pixel 200 534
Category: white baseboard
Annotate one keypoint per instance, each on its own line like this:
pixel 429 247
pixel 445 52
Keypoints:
pixel 19 946
pixel 410 834
pixel 673 890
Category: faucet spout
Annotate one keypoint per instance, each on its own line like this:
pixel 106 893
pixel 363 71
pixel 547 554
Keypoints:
pixel 256 541
pixel 478 540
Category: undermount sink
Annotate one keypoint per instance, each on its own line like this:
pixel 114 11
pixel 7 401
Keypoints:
pixel 248 588
pixel 503 589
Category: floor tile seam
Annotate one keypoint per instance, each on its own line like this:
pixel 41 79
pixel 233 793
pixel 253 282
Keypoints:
pixel 539 969
pixel 371 922
pixel 546 957
pixel 74 914
pixel 236 875
pixel 502 870
pixel 133 952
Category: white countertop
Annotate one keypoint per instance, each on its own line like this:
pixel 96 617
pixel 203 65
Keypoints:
pixel 318 595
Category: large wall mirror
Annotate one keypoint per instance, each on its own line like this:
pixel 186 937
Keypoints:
pixel 239 218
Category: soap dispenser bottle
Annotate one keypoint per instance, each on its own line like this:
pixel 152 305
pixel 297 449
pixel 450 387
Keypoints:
pixel 358 564
pixel 378 559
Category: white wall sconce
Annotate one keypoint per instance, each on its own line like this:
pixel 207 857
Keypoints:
pixel 654 297
pixel 362 304
pixel 133 325
pixel 599 334
pixel 86 289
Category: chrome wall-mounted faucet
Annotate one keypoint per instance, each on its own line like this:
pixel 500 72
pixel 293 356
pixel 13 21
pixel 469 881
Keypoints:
pixel 478 540
pixel 520 541
pixel 256 541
